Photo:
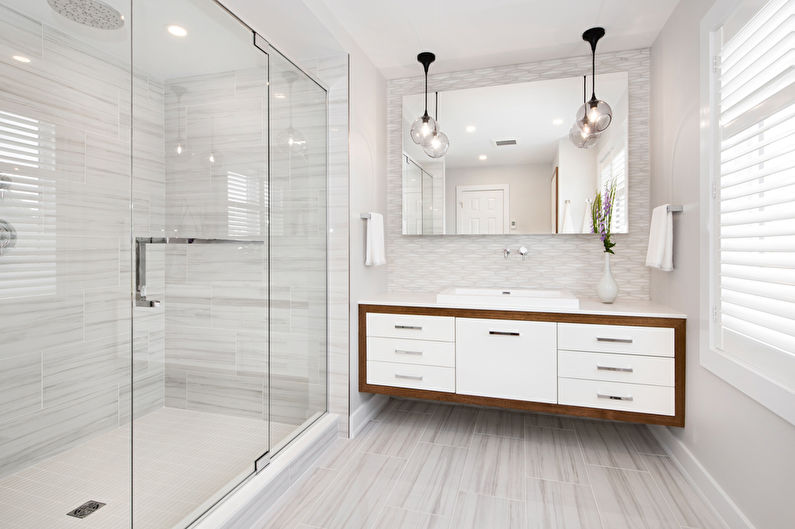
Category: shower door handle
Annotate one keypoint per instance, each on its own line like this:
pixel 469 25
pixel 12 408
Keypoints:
pixel 140 272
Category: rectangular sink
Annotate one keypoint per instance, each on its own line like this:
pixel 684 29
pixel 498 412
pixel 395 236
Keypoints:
pixel 513 298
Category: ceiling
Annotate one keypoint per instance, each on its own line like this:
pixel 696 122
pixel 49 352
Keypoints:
pixel 468 34
pixel 526 112
pixel 215 41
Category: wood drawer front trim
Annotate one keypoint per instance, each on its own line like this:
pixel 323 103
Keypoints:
pixel 678 324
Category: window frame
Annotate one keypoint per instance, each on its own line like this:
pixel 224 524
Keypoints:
pixel 747 378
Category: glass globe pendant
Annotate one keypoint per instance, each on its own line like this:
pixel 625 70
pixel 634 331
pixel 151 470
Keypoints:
pixel 595 115
pixel 436 144
pixel 424 126
pixel 581 138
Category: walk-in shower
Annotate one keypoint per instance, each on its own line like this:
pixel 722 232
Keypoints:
pixel 163 266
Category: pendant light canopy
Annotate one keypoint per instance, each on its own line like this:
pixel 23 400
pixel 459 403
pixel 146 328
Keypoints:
pixel 594 116
pixel 424 127
pixel 437 145
pixel 583 140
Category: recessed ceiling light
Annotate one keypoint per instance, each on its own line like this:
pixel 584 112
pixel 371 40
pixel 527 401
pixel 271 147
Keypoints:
pixel 177 31
pixel 21 58
pixel 471 128
pixel 482 157
pixel 557 121
pixel 279 95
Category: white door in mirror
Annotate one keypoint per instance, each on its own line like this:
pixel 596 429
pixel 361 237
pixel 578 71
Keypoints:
pixel 507 359
pixel 482 210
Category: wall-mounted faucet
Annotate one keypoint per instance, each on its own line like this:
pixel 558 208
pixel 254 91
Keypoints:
pixel 506 253
pixel 523 252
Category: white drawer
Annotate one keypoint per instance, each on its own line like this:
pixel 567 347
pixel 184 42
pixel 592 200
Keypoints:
pixel 506 359
pixel 439 328
pixel 411 376
pixel 402 351
pixel 651 341
pixel 635 369
pixel 616 396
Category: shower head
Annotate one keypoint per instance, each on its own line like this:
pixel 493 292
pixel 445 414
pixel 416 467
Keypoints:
pixel 91 13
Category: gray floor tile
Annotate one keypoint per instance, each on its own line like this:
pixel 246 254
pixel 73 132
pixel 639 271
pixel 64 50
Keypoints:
pixel 643 440
pixel 554 454
pixel 544 420
pixel 495 467
pixel 394 518
pixel 476 511
pixel 395 434
pixel 607 444
pixel 302 496
pixel 554 505
pixel 629 499
pixel 687 504
pixel 430 482
pixel 354 499
pixel 412 405
pixel 451 425
pixel 500 422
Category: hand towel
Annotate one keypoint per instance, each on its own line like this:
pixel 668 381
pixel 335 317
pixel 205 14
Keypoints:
pixel 375 254
pixel 587 217
pixel 661 239
pixel 568 221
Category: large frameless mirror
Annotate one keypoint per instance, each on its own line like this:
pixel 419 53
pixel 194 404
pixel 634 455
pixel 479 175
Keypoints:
pixel 511 167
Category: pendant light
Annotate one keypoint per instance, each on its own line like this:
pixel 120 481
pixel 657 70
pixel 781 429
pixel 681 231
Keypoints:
pixel 595 115
pixel 291 139
pixel 179 91
pixel 583 140
pixel 424 126
pixel 439 142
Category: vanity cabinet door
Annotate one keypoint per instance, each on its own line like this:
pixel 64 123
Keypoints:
pixel 506 359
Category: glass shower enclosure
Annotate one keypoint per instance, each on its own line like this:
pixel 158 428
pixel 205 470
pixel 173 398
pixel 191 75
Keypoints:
pixel 163 259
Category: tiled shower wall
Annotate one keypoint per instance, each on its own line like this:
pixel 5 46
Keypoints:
pixel 216 294
pixel 65 287
pixel 573 262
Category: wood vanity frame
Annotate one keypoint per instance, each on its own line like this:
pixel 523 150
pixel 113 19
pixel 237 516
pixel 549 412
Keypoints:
pixel 678 324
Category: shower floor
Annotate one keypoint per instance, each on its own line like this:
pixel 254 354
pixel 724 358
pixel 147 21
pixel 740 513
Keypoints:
pixel 182 459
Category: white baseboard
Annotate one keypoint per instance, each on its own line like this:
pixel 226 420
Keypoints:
pixel 367 411
pixel 702 479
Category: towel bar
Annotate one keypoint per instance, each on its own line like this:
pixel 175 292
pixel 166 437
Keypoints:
pixel 365 216
pixel 675 209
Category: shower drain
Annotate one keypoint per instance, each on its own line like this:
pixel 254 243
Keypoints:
pixel 87 508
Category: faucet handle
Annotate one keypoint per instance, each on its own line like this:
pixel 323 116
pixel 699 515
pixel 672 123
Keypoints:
pixel 506 253
pixel 523 251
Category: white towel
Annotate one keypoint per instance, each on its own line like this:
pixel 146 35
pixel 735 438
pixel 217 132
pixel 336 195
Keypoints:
pixel 375 254
pixel 568 222
pixel 661 239
pixel 587 218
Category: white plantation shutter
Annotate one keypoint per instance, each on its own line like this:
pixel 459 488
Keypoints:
pixel 755 310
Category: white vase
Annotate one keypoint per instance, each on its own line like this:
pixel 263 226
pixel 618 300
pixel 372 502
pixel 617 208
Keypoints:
pixel 607 289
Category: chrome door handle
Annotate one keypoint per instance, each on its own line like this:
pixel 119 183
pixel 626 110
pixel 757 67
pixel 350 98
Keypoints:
pixel 408 327
pixel 504 333
pixel 615 397
pixel 613 368
pixel 403 352
pixel 410 377
pixel 613 340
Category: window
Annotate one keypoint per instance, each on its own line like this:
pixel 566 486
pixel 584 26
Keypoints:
pixel 751 177
pixel 613 167
pixel 244 205
pixel 27 203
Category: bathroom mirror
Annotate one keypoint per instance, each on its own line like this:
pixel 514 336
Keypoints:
pixel 511 167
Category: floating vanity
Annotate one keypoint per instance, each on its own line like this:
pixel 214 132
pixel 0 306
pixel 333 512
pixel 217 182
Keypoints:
pixel 515 349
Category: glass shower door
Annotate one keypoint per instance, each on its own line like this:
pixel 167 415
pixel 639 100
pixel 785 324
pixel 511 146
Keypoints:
pixel 200 238
pixel 299 253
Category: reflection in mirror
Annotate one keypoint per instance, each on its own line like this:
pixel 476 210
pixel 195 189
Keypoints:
pixel 511 167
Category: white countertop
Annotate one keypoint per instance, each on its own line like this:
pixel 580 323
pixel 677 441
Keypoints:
pixel 587 306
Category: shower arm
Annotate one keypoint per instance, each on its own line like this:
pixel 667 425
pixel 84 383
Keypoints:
pixel 140 261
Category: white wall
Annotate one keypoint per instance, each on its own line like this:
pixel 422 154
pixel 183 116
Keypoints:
pixel 749 451
pixel 529 193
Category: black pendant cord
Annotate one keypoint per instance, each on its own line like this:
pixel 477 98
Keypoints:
pixel 426 58
pixel 592 36
pixel 593 70
pixel 437 107
pixel 584 83
pixel 426 91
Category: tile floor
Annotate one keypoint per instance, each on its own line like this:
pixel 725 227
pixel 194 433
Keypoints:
pixel 421 465
pixel 182 458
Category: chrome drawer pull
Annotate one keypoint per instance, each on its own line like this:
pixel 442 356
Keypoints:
pixel 409 327
pixel 410 377
pixel 612 368
pixel 614 397
pixel 504 333
pixel 402 352
pixel 614 340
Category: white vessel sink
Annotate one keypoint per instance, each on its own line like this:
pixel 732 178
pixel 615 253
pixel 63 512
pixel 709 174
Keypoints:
pixel 514 298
